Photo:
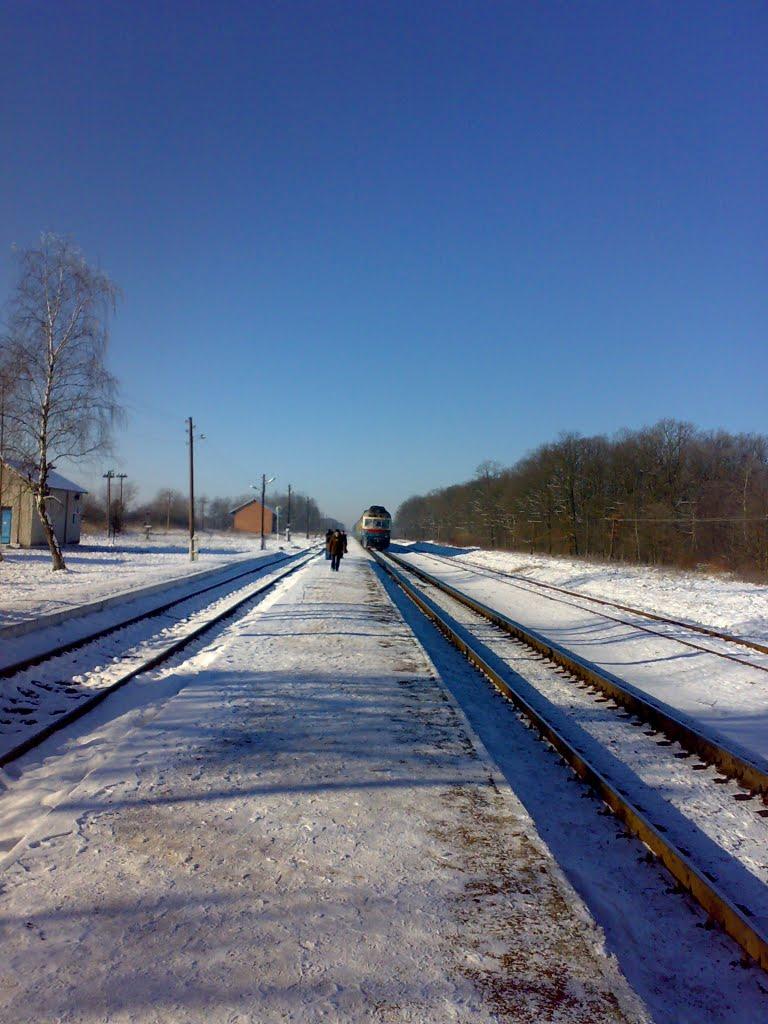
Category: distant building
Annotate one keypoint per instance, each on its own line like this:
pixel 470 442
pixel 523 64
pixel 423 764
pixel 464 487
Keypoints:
pixel 249 515
pixel 19 522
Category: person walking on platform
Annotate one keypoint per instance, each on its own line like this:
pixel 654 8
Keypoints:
pixel 337 550
pixel 344 540
pixel 328 535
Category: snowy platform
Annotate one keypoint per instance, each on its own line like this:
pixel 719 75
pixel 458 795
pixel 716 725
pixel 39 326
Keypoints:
pixel 309 831
pixel 98 569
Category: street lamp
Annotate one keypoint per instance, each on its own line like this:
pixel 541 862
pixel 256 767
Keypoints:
pixel 264 482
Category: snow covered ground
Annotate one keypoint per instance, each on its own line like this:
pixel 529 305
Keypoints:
pixel 720 601
pixel 700 811
pixel 301 826
pixel 724 698
pixel 685 972
pixel 98 568
pixel 40 696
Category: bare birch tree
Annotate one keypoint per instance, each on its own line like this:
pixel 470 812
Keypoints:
pixel 64 399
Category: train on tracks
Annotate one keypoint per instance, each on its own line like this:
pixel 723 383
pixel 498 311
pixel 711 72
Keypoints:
pixel 374 527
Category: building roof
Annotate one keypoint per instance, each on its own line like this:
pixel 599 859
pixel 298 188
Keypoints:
pixel 56 481
pixel 251 501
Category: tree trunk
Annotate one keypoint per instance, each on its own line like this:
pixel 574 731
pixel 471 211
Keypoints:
pixel 50 535
pixel 574 518
pixel 614 525
pixel 747 474
pixel 41 489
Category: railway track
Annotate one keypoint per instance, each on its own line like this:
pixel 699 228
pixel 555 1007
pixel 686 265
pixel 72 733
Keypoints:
pixel 11 669
pixel 580 600
pixel 696 816
pixel 63 677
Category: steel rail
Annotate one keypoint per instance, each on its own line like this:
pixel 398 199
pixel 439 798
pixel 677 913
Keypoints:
pixel 738 766
pixel 692 626
pixel 750 936
pixel 73 645
pixel 156 659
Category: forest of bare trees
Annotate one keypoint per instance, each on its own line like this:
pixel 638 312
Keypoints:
pixel 669 494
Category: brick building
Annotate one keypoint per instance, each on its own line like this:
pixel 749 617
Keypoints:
pixel 248 517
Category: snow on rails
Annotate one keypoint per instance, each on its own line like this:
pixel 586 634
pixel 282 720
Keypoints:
pixel 374 752
pixel 640 803
pixel 48 690
pixel 307 829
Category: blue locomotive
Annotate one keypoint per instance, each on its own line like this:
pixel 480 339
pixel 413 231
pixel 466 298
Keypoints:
pixel 373 528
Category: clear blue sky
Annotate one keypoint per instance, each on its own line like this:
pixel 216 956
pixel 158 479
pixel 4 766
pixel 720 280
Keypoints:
pixel 368 245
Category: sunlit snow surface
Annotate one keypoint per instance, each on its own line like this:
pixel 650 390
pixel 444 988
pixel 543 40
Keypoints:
pixel 725 698
pixel 721 601
pixel 297 823
pixel 98 568
pixel 306 831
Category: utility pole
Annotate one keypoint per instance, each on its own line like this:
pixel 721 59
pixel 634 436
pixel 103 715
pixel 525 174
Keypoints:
pixel 108 476
pixel 307 518
pixel 263 499
pixel 168 496
pixel 191 442
pixel 2 454
pixel 121 477
pixel 288 520
pixel 254 487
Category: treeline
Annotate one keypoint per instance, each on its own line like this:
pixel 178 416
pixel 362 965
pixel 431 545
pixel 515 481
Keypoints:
pixel 169 509
pixel 669 494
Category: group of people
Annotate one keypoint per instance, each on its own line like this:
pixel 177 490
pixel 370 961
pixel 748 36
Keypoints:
pixel 335 547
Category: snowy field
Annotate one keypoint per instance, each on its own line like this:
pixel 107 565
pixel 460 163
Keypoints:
pixel 709 600
pixel 99 567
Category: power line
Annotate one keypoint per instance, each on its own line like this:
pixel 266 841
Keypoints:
pixel 688 519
